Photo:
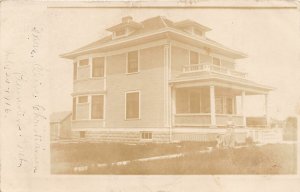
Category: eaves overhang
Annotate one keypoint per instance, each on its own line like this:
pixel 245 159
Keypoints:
pixel 166 32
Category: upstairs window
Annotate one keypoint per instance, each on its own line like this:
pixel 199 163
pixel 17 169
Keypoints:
pixel 194 58
pixel 120 32
pixel 216 61
pixel 74 108
pixel 133 105
pixel 198 32
pixel 133 62
pixel 98 67
pixel 74 70
pixel 97 106
pixel 83 62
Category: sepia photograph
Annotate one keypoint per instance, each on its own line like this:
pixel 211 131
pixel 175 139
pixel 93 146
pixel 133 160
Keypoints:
pixel 150 96
pixel 173 91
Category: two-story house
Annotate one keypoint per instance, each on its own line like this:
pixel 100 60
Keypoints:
pixel 159 80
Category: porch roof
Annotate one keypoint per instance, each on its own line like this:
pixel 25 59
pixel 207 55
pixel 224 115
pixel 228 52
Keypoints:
pixel 207 79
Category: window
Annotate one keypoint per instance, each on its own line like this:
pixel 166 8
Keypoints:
pixel 84 62
pixel 120 32
pixel 97 106
pixel 83 99
pixel 98 67
pixel 74 108
pixel 75 70
pixel 219 105
pixel 216 61
pixel 133 62
pixel 146 135
pixel 194 58
pixel 82 134
pixel 133 105
pixel 198 32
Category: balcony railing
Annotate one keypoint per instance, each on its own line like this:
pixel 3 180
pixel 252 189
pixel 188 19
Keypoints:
pixel 213 68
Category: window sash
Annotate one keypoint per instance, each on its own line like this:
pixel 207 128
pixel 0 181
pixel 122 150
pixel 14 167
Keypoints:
pixel 74 108
pixel 98 67
pixel 132 105
pixel 194 58
pixel 97 107
pixel 82 99
pixel 74 70
pixel 216 61
pixel 84 62
pixel 132 62
pixel 146 135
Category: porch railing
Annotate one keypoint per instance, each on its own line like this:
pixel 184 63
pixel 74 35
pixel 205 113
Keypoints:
pixel 192 119
pixel 256 122
pixel 204 119
pixel 213 68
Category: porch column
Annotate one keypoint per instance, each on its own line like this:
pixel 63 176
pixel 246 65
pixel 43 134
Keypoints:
pixel 212 106
pixel 243 108
pixel 173 105
pixel 266 109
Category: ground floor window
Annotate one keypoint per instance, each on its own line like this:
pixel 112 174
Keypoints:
pixel 97 107
pixel 132 105
pixel 146 135
pixel 82 134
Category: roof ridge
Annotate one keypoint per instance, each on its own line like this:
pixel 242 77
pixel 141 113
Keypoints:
pixel 163 20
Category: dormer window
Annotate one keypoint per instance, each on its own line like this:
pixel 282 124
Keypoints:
pixel 121 32
pixel 125 28
pixel 192 27
pixel 198 32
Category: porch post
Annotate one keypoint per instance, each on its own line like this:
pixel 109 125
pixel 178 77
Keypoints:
pixel 212 106
pixel 266 109
pixel 173 105
pixel 243 108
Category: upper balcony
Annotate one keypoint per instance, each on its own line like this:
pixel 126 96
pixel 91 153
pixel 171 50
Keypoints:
pixel 207 67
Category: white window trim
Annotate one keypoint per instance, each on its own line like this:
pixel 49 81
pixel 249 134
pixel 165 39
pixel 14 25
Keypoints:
pixel 127 73
pixel 132 119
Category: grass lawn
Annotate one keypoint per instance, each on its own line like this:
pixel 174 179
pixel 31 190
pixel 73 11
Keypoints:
pixel 267 159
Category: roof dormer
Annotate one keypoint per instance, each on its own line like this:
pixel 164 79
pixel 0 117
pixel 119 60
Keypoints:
pixel 125 28
pixel 192 27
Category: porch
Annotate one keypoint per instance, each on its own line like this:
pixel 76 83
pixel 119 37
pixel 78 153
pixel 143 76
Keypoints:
pixel 214 107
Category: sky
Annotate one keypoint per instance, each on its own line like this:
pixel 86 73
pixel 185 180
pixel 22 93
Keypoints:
pixel 270 38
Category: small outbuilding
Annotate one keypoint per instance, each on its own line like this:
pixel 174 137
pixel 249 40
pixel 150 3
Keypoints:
pixel 60 125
